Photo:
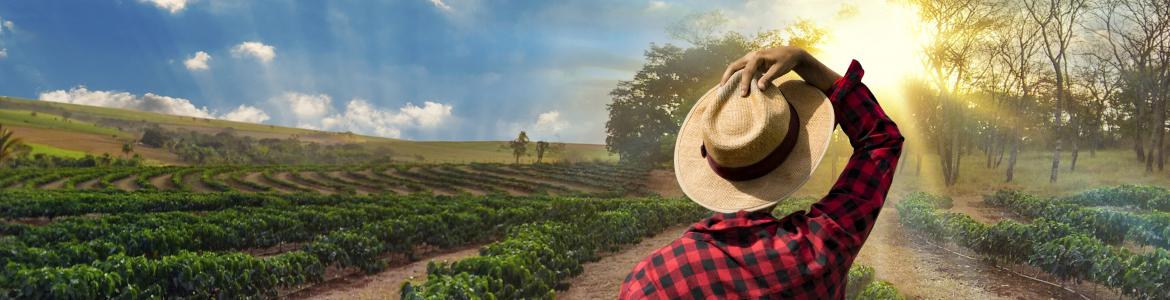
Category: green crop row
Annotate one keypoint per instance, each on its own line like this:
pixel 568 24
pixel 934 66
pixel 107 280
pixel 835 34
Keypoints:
pixel 1109 225
pixel 1137 196
pixel 1054 247
pixel 444 222
pixel 535 259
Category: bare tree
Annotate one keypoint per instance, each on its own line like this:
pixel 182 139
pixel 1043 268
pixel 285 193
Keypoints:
pixel 1135 32
pixel 1057 21
pixel 958 26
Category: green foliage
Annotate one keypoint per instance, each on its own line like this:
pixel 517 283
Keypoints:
pixel 1136 196
pixel 534 259
pixel 1109 225
pixel 1067 250
pixel 880 290
pixel 193 255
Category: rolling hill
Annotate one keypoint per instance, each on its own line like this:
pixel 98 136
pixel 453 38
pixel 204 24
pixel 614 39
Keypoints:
pixel 69 130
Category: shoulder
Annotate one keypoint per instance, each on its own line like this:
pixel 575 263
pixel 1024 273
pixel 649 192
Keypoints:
pixel 670 262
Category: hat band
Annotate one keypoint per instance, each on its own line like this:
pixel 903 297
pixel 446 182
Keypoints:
pixel 764 166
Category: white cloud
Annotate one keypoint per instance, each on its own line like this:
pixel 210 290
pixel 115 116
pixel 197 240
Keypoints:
pixel 362 117
pixel 3 53
pixel 8 25
pixel 550 122
pixel 430 115
pixel 304 107
pixel 148 102
pixel 198 62
pixel 246 113
pixel 656 5
pixel 441 5
pixel 173 6
pixel 259 51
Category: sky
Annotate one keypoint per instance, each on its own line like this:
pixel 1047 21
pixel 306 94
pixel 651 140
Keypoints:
pixel 412 69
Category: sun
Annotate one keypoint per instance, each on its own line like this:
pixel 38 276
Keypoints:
pixel 883 35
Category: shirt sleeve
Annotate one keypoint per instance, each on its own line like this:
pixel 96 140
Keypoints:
pixel 856 198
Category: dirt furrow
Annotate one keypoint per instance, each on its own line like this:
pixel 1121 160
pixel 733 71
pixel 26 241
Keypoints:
pixel 602 279
pixel 55 184
pixel 163 182
pixel 383 285
pixel 287 176
pixel 126 184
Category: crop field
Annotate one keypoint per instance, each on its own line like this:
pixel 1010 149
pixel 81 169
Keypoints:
pixel 582 179
pixel 301 232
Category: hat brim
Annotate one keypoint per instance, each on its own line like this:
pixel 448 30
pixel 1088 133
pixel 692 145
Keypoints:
pixel 706 188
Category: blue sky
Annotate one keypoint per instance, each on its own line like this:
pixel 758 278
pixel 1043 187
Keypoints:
pixel 416 69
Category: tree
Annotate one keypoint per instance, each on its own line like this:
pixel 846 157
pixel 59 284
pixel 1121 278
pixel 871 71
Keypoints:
pixel 1135 34
pixel 1057 21
pixel 958 27
pixel 541 147
pixel 127 148
pixel 519 146
pixel 10 146
pixel 1014 50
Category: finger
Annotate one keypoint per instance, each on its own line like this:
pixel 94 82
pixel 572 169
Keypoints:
pixel 745 81
pixel 772 73
pixel 735 65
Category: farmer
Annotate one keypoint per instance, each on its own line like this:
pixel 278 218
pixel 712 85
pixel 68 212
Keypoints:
pixel 745 146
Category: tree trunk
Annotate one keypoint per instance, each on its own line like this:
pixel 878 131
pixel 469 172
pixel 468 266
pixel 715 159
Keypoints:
pixel 1076 149
pixel 1058 115
pixel 1055 160
pixel 989 148
pixel 1002 149
pixel 918 166
pixel 1094 139
pixel 1011 167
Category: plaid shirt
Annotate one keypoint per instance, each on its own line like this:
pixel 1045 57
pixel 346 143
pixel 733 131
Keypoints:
pixel 805 255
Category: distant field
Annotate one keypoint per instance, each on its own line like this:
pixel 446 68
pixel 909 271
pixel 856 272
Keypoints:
pixel 25 118
pixel 54 151
pixel 81 134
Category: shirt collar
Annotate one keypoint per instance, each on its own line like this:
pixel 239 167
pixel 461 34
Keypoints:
pixel 736 220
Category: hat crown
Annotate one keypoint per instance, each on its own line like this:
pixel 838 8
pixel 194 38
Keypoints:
pixel 740 131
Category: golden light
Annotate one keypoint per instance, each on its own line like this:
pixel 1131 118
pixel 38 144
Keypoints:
pixel 883 35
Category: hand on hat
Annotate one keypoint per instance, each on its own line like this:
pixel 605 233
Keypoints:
pixel 776 62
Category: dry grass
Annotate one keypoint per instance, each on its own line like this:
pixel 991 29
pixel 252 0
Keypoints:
pixel 1107 168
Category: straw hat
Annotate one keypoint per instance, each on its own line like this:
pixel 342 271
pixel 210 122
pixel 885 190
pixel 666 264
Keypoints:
pixel 747 153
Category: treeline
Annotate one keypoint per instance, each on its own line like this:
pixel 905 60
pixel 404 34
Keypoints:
pixel 226 147
pixel 1061 75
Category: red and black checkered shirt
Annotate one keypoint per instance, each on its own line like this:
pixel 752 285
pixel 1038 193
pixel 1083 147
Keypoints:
pixel 805 255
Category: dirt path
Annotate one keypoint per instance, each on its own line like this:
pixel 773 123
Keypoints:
pixel 88 184
pixel 663 182
pixel 163 182
pixel 443 191
pixel 602 279
pixel 390 187
pixel 973 206
pixel 55 184
pixel 235 185
pixel 193 180
pixel 258 177
pixel 337 177
pixel 287 176
pixel 567 185
pixel 126 184
pixel 384 285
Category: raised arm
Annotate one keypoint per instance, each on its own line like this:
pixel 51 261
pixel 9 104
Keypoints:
pixel 856 199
